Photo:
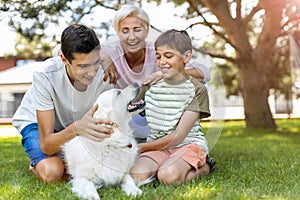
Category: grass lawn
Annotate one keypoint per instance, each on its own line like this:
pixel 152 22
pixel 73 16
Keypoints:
pixel 251 164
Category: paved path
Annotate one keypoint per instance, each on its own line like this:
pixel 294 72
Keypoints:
pixel 8 131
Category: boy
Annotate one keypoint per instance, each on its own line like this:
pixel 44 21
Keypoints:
pixel 59 104
pixel 176 149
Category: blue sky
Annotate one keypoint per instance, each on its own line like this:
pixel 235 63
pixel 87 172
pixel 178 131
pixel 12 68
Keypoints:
pixel 7 38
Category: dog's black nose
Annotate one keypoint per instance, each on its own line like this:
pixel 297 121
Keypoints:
pixel 135 84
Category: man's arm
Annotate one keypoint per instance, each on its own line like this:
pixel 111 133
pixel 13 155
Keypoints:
pixel 88 127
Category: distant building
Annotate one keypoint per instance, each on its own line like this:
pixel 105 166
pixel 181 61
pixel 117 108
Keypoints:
pixel 7 63
pixel 15 79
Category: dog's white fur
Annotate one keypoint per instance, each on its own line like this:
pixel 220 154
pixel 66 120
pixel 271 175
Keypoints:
pixel 96 164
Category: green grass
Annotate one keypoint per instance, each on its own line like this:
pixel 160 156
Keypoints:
pixel 251 164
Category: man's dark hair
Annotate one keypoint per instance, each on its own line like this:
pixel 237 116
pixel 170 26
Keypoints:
pixel 179 40
pixel 78 39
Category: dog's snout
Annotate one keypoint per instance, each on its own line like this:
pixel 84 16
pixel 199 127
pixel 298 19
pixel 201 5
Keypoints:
pixel 136 87
pixel 135 84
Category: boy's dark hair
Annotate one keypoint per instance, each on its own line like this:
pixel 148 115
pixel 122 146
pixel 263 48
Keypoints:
pixel 179 40
pixel 78 39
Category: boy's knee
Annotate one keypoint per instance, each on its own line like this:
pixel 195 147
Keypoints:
pixel 139 175
pixel 168 175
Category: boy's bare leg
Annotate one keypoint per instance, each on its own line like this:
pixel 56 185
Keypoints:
pixel 202 171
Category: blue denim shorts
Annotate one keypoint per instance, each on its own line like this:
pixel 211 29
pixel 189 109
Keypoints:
pixel 31 144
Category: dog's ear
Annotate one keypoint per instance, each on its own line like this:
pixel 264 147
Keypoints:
pixel 110 114
pixel 99 113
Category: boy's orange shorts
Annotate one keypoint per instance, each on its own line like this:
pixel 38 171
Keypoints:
pixel 193 154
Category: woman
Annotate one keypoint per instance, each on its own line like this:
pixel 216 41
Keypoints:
pixel 133 56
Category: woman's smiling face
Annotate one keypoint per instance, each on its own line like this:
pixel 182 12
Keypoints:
pixel 132 34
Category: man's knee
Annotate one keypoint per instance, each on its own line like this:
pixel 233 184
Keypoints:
pixel 50 170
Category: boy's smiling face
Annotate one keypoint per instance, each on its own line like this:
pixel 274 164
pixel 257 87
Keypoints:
pixel 171 62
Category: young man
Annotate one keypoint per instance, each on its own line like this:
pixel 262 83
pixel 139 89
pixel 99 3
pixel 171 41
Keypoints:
pixel 177 148
pixel 59 104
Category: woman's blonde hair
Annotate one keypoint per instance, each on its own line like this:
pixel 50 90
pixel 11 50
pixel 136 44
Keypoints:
pixel 129 10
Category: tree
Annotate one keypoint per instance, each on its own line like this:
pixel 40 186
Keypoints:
pixel 234 23
pixel 278 75
pixel 35 20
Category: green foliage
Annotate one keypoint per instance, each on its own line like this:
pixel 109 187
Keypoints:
pixel 251 164
pixel 34 49
pixel 35 20
pixel 279 72
pixel 230 76
pixel 31 19
pixel 245 34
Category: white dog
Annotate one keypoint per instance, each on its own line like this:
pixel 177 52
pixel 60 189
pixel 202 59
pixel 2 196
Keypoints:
pixel 96 164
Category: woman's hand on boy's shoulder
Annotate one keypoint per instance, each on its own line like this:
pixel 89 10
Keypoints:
pixel 153 78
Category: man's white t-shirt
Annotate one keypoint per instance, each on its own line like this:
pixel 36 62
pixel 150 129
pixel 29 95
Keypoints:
pixel 52 89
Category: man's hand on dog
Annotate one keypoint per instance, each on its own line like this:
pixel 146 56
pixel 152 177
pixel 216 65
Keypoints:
pixel 89 127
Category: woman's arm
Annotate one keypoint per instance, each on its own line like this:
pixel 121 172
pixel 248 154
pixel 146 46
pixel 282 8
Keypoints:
pixel 88 127
pixel 191 71
pixel 109 68
pixel 153 78
pixel 184 126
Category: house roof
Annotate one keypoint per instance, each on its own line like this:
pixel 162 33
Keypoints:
pixel 19 75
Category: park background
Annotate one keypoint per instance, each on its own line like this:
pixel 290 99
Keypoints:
pixel 252 50
pixel 250 47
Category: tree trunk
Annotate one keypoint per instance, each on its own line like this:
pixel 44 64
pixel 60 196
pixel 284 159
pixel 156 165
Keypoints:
pixel 255 94
pixel 252 60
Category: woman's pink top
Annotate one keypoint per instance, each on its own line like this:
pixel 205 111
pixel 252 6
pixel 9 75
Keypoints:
pixel 125 74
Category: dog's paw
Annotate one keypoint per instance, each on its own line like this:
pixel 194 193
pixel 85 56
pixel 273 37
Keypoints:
pixel 134 192
pixel 91 195
pixel 85 189
pixel 88 194
pixel 129 187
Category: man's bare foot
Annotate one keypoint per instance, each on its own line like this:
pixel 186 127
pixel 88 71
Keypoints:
pixel 31 168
